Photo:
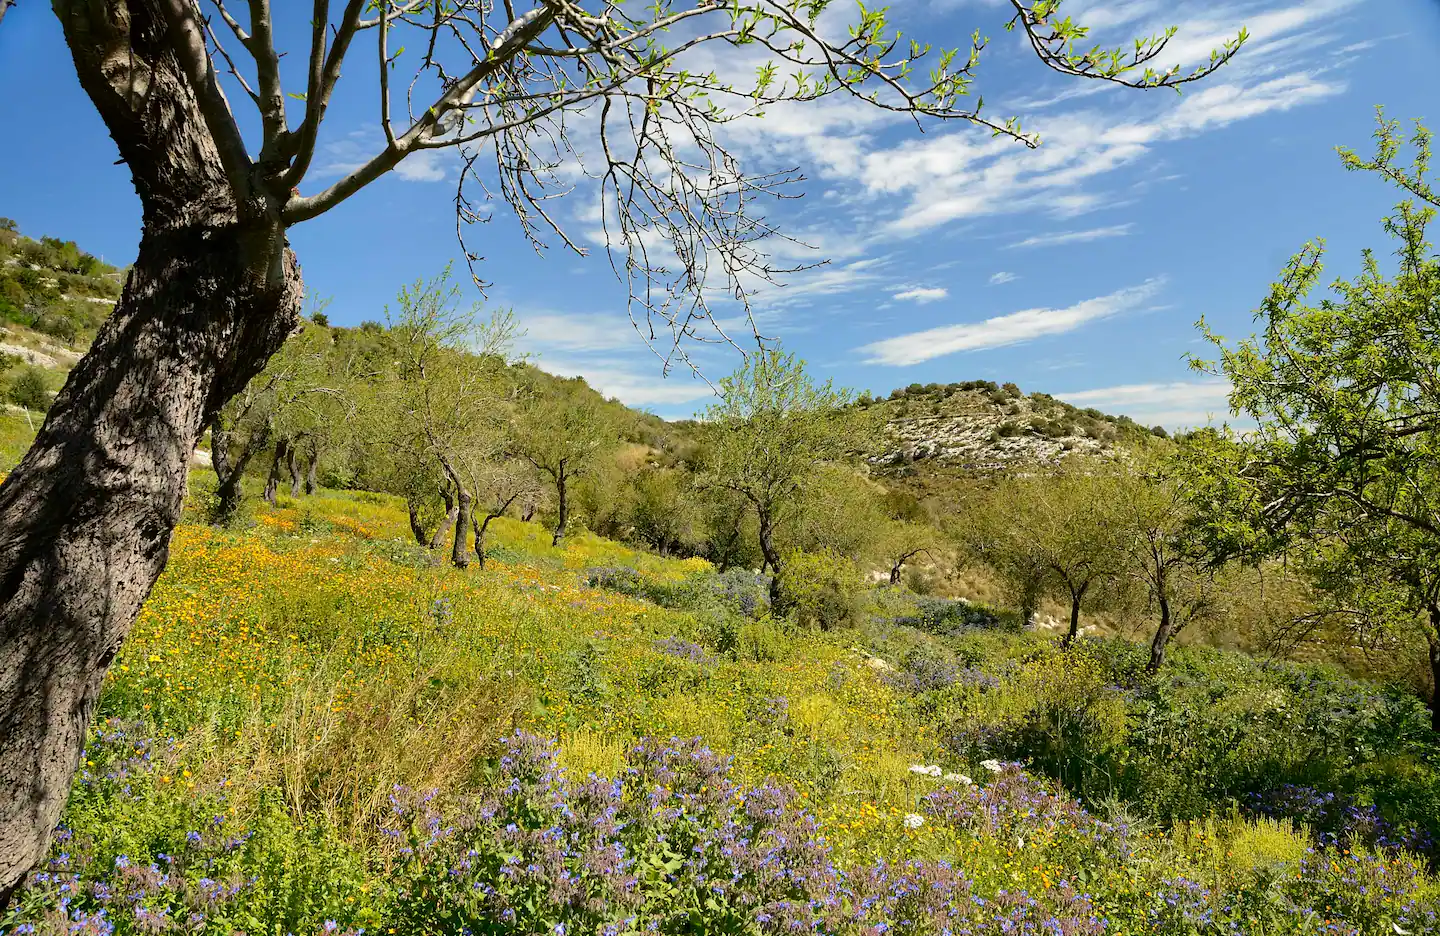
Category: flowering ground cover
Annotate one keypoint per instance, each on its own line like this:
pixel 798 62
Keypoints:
pixel 314 729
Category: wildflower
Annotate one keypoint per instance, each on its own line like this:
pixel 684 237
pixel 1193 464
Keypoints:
pixel 932 770
pixel 992 765
pixel 959 778
pixel 914 820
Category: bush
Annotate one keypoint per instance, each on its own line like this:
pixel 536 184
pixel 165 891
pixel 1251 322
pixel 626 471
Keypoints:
pixel 30 389
pixel 823 589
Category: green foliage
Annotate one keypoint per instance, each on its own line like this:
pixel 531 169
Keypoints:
pixel 29 388
pixel 1341 470
pixel 825 589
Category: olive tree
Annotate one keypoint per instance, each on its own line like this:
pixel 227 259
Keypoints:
pixel 215 288
pixel 1342 469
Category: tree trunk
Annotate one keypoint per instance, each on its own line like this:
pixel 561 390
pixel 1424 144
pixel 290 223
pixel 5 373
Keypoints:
pixel 312 481
pixel 564 506
pixel 229 468
pixel 460 550
pixel 297 480
pixel 272 483
pixel 1433 639
pixel 895 573
pixel 438 539
pixel 481 528
pixel 88 513
pixel 527 513
pixel 1076 597
pixel 778 603
pixel 417 526
pixel 1162 637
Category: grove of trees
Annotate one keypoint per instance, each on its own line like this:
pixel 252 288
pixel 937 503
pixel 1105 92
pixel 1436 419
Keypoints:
pixel 216 290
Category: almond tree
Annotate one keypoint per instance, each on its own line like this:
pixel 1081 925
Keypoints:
pixel 769 434
pixel 88 513
pixel 1342 469
pixel 563 432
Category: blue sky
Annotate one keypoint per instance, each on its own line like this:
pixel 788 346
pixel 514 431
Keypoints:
pixel 1078 268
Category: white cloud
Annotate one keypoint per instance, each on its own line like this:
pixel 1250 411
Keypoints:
pixel 1175 405
pixel 598 332
pixel 1001 278
pixel 343 156
pixel 1075 237
pixel 922 294
pixel 1015 328
pixel 634 386
pixel 424 166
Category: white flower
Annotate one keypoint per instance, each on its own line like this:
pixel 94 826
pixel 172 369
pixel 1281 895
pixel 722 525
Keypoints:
pixel 992 765
pixel 914 820
pixel 931 771
pixel 959 778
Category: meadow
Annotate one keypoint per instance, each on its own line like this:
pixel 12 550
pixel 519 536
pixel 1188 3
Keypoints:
pixel 314 728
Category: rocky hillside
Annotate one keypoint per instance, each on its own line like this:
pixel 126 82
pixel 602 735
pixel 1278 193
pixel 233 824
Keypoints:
pixel 938 433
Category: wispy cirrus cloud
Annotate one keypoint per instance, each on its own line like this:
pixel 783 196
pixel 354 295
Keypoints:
pixel 1002 330
pixel 1001 278
pixel 1176 405
pixel 921 294
pixel 1075 237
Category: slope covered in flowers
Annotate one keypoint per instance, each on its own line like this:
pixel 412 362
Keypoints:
pixel 314 728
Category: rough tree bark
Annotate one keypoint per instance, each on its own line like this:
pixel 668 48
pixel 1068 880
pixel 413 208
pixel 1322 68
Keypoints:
pixel 483 525
pixel 272 482
pixel 459 550
pixel 88 513
pixel 1162 637
pixel 297 480
pixel 451 508
pixel 563 504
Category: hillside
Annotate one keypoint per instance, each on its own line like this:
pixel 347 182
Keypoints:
pixel 314 729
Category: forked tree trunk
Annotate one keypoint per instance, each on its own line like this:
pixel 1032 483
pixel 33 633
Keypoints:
pixel 460 549
pixel 230 468
pixel 451 509
pixel 1163 633
pixel 481 528
pixel 86 517
pixel 312 480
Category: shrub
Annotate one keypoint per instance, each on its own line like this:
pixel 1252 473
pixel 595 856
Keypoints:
pixel 30 389
pixel 824 589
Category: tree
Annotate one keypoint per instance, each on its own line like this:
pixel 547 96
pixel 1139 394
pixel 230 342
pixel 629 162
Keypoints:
pixel 1055 533
pixel 1163 553
pixel 215 289
pixel 293 391
pixel 443 406
pixel 1343 467
pixel 504 484
pixel 902 540
pixel 563 432
pixel 768 434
